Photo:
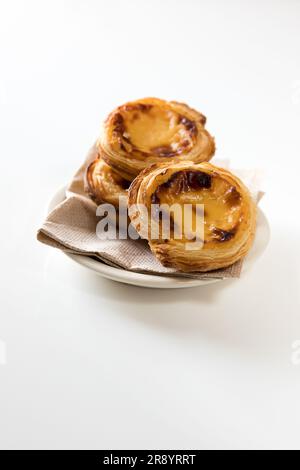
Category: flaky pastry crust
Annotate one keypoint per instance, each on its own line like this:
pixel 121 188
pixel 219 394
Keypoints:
pixel 229 213
pixel 103 184
pixel 147 131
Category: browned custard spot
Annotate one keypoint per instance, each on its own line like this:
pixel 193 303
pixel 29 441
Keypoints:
pixel 222 202
pixel 189 125
pixel 118 123
pixel 137 107
pixel 223 235
pixel 165 151
pixel 153 130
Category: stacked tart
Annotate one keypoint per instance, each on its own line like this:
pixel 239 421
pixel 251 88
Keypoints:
pixel 156 154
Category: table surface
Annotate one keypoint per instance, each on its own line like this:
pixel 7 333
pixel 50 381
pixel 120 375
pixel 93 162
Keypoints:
pixel 89 363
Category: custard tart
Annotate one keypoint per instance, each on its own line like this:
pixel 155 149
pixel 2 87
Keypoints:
pixel 147 131
pixel 103 184
pixel 220 209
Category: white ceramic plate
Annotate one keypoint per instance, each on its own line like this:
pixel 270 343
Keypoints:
pixel 164 282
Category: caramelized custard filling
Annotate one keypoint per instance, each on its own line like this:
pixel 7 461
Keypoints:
pixel 222 203
pixel 153 129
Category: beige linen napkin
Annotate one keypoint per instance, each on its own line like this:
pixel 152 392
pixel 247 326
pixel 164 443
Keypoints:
pixel 71 227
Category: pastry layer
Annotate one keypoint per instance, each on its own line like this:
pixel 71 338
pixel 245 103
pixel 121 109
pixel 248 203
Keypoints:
pixel 105 185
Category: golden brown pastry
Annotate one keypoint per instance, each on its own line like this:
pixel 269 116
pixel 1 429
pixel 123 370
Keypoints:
pixel 228 215
pixel 104 185
pixel 151 130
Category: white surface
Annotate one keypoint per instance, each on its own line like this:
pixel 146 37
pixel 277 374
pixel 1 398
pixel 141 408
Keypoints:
pixel 95 364
pixel 262 238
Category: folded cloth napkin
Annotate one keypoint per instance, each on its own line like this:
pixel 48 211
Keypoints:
pixel 71 227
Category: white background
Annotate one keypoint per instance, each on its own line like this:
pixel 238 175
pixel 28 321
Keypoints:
pixel 95 364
